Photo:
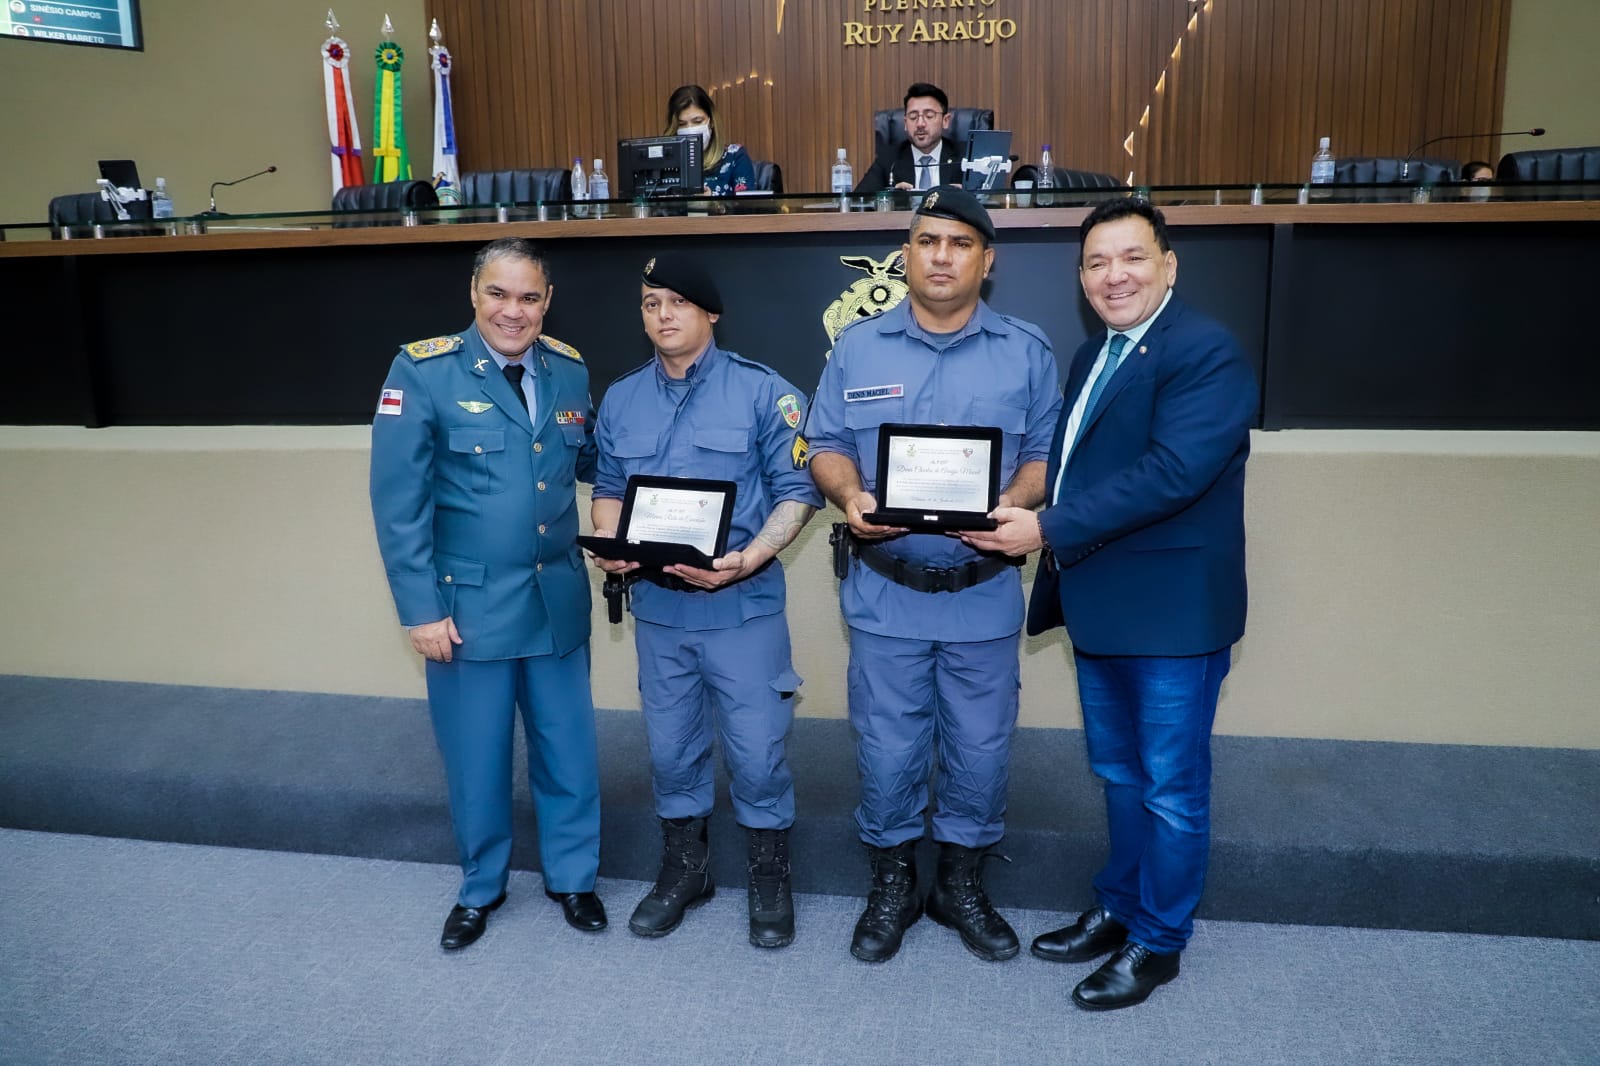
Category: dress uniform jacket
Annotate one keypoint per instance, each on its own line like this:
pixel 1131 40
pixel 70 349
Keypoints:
pixel 475 505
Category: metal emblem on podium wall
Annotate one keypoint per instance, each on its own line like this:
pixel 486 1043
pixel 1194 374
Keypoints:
pixel 881 289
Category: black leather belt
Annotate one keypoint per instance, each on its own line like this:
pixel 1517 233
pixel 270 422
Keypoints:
pixel 932 578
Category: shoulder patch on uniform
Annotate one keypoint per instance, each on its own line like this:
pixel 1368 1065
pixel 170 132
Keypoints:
pixel 432 346
pixel 561 347
pixel 789 408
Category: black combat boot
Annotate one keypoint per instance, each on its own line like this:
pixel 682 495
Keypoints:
pixel 958 901
pixel 683 881
pixel 892 905
pixel 771 904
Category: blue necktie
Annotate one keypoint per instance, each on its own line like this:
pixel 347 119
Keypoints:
pixel 925 172
pixel 1119 341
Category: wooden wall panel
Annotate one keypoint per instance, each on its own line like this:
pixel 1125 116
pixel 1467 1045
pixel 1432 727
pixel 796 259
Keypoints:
pixel 1237 91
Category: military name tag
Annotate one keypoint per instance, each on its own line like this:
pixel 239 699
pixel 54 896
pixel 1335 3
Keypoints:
pixel 475 407
pixel 874 392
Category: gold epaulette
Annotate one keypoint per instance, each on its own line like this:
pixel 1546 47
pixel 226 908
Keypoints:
pixel 432 346
pixel 561 347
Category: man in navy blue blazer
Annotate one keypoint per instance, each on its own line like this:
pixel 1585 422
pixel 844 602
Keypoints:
pixel 1143 538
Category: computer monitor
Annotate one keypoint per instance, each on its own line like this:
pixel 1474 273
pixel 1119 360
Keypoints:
pixel 656 166
pixel 121 173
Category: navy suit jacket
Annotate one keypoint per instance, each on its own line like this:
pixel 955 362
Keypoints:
pixel 897 165
pixel 1148 533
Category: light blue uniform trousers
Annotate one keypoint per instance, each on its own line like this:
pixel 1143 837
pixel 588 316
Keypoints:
pixel 473 706
pixel 738 681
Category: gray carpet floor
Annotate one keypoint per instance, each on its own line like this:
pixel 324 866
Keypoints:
pixel 121 951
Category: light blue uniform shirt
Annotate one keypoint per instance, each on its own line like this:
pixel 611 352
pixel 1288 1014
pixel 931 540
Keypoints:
pixel 998 371
pixel 729 419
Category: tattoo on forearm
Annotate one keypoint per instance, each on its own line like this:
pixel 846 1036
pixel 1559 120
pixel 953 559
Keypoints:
pixel 784 524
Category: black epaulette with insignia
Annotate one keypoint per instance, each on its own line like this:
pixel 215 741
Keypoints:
pixel 560 347
pixel 419 350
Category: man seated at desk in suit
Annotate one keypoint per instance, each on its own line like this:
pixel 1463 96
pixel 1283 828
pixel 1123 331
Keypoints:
pixel 928 158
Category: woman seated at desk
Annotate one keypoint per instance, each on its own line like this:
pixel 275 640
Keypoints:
pixel 727 167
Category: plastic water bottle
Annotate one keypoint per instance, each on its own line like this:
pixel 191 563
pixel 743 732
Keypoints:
pixel 1045 180
pixel 844 176
pixel 580 190
pixel 599 187
pixel 160 202
pixel 1322 165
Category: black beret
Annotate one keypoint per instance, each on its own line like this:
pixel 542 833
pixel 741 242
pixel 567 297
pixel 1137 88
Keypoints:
pixel 958 205
pixel 686 277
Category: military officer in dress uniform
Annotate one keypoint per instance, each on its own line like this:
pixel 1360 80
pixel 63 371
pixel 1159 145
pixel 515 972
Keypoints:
pixel 713 643
pixel 476 446
pixel 934 624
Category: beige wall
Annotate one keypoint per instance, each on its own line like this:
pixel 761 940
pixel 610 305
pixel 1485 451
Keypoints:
pixel 221 90
pixel 1438 587
pixel 1552 79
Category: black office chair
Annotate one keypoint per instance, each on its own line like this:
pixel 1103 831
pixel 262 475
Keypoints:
pixel 1385 170
pixel 531 186
pixel 1550 164
pixel 889 126
pixel 1067 178
pixel 88 208
pixel 769 176
pixel 386 196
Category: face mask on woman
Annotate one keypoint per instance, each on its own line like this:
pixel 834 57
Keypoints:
pixel 702 132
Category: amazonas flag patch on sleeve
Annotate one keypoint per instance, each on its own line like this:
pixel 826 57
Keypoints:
pixel 389 402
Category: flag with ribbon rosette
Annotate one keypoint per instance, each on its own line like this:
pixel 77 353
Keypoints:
pixel 391 161
pixel 446 174
pixel 344 136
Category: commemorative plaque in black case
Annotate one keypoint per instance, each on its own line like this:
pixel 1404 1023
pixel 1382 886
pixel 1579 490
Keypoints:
pixel 669 520
pixel 937 478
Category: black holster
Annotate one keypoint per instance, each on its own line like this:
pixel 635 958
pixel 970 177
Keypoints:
pixel 616 594
pixel 843 543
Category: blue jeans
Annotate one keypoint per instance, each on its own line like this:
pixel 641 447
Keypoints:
pixel 1148 721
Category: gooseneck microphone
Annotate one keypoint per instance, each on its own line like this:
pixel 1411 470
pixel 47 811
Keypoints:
pixel 1405 168
pixel 212 210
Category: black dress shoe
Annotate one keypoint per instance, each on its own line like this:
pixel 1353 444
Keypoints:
pixel 1094 934
pixel 466 924
pixel 583 910
pixel 1128 977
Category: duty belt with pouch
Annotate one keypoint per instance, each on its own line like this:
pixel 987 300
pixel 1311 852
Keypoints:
pixel 917 578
